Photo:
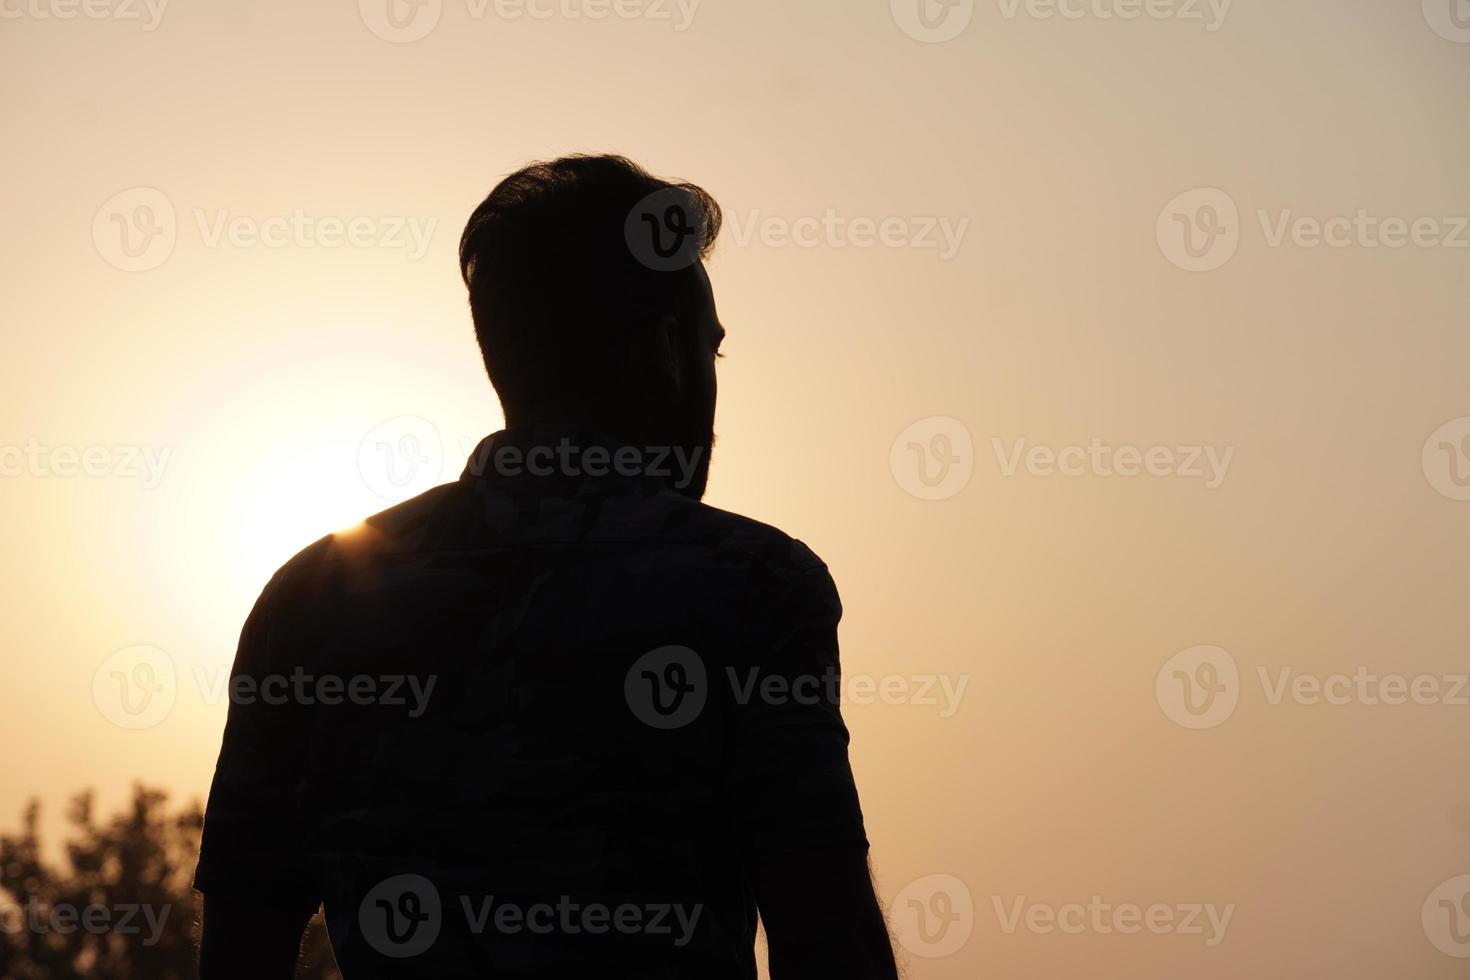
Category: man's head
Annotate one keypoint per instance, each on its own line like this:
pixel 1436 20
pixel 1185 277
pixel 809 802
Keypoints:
pixel 591 304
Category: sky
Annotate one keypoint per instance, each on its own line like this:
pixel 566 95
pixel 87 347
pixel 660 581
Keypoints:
pixel 1112 354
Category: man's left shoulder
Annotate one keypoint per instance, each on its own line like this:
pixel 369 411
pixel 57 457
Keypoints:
pixel 759 542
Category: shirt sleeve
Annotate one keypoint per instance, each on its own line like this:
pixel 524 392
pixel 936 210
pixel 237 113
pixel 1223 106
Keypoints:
pixel 791 782
pixel 252 838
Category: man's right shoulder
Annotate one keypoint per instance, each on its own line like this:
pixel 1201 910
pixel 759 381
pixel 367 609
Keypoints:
pixel 403 529
pixel 450 517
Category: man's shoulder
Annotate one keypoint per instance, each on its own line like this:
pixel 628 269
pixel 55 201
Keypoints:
pixel 773 569
pixel 400 529
pixel 726 530
pixel 450 518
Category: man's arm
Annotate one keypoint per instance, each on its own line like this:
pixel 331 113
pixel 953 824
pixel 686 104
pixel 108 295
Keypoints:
pixel 245 937
pixel 822 917
pixel 258 895
pixel 799 817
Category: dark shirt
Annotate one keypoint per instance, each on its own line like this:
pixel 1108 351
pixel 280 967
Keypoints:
pixel 535 726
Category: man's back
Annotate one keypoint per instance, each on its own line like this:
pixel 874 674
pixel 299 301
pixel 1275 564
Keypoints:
pixel 553 724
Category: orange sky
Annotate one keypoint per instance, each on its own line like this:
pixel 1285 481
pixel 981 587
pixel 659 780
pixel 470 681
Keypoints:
pixel 1069 247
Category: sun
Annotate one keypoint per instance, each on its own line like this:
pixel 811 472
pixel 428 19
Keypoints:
pixel 289 507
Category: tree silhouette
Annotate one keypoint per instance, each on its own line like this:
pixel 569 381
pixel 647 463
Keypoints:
pixel 121 906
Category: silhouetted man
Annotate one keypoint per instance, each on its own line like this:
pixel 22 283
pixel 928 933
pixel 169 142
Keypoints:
pixel 558 718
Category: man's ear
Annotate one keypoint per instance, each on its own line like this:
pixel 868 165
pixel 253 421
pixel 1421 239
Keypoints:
pixel 656 352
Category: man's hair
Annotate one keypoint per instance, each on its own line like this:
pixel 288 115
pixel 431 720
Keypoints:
pixel 554 282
